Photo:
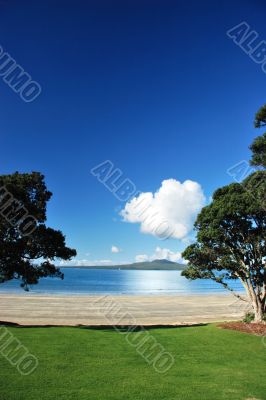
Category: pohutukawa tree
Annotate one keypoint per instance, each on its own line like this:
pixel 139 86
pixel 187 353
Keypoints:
pixel 231 235
pixel 28 247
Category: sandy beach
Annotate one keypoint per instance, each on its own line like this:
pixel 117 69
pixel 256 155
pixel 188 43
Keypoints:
pixel 119 310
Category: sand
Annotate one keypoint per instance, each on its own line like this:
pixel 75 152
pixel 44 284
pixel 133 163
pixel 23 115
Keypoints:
pixel 119 310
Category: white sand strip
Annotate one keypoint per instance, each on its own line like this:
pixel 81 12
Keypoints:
pixel 112 310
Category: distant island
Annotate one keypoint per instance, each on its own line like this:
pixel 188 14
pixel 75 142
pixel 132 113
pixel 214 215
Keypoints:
pixel 147 265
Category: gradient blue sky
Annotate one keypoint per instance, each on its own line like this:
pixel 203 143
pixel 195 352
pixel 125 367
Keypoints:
pixel 155 86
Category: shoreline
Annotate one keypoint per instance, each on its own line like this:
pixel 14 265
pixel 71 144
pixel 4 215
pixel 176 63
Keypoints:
pixel 109 310
pixel 120 268
pixel 29 294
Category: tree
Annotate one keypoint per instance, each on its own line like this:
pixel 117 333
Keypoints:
pixel 231 233
pixel 258 147
pixel 27 247
pixel 260 117
pixel 231 240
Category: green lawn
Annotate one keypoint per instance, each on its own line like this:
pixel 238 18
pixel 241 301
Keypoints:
pixel 87 364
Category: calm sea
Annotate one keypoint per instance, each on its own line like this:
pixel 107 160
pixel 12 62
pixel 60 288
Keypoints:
pixel 95 281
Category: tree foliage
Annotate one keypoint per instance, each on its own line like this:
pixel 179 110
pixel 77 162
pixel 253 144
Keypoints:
pixel 258 147
pixel 260 117
pixel 231 237
pixel 23 256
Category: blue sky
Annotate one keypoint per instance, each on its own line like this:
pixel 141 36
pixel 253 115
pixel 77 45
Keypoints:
pixel 157 87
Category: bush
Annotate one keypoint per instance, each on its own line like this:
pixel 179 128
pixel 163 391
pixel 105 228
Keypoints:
pixel 249 317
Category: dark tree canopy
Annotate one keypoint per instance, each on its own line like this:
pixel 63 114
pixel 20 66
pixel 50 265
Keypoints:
pixel 258 147
pixel 27 247
pixel 260 117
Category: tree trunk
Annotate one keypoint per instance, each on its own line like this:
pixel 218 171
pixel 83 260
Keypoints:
pixel 258 311
pixel 258 304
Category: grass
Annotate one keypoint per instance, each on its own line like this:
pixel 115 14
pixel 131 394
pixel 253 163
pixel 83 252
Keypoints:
pixel 89 364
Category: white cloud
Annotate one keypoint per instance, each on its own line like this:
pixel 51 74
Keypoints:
pixel 169 212
pixel 161 254
pixel 115 249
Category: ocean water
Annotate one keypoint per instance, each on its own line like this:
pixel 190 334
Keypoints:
pixel 80 281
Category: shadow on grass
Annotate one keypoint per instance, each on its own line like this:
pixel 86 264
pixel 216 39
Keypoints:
pixel 120 328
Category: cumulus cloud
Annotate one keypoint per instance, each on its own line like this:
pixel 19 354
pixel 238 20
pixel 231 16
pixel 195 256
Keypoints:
pixel 161 254
pixel 169 212
pixel 115 249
